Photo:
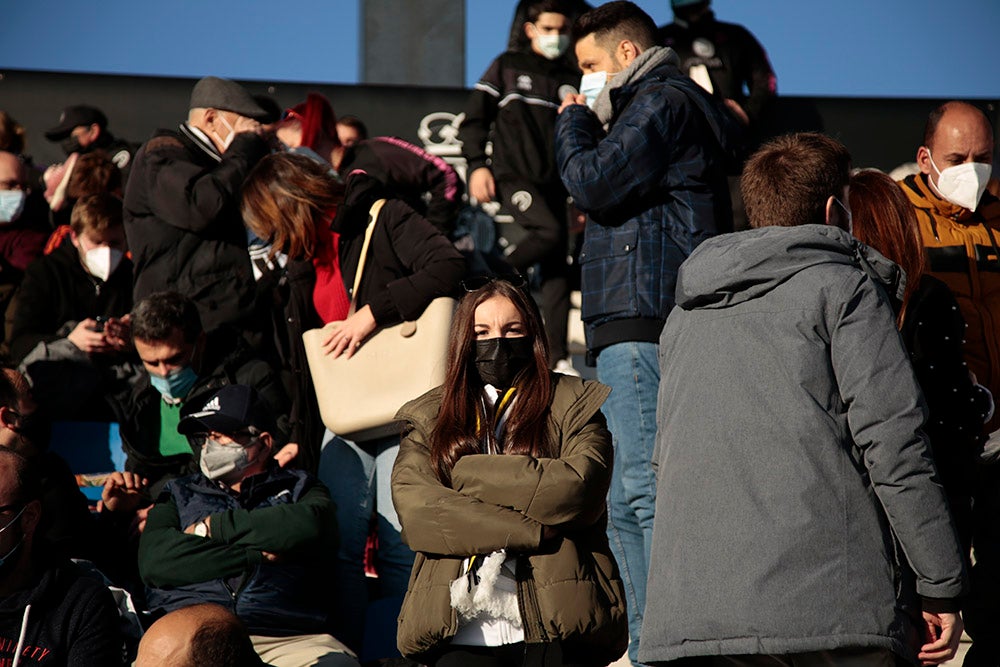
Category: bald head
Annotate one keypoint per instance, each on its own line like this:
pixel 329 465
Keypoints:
pixel 956 133
pixel 204 634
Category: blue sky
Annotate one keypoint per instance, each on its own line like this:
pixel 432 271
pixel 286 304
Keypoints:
pixel 866 48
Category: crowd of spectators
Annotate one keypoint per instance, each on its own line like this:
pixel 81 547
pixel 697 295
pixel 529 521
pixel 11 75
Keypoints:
pixel 791 439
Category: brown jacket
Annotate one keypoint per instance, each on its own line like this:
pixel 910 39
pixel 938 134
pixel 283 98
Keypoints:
pixel 568 587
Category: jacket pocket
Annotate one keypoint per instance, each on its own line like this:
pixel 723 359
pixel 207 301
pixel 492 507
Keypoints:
pixel 608 270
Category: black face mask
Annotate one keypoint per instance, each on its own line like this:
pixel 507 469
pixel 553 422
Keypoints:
pixel 499 360
pixel 71 144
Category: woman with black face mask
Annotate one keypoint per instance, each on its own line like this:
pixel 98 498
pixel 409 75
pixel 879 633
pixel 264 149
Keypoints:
pixel 500 487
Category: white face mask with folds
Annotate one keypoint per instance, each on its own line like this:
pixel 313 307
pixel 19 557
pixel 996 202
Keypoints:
pixel 963 184
pixel 591 86
pixel 102 261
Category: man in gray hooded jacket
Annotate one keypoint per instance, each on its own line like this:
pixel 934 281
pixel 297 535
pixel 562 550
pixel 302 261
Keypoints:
pixel 798 508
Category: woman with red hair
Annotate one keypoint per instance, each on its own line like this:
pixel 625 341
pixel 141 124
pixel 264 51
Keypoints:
pixel 410 172
pixel 933 330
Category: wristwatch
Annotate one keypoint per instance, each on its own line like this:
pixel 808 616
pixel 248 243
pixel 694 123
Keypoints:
pixel 201 529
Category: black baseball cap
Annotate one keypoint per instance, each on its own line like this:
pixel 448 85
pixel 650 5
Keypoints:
pixel 76 116
pixel 229 410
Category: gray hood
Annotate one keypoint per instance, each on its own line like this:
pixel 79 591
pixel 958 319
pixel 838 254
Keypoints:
pixel 734 268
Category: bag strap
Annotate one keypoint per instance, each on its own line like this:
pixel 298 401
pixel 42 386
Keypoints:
pixel 373 214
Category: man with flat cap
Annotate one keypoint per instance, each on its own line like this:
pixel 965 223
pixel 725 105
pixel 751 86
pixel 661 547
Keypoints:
pixel 246 534
pixel 182 205
pixel 83 129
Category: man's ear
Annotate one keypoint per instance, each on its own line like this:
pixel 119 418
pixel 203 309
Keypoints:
pixel 627 51
pixel 93 131
pixel 829 212
pixel 529 29
pixel 74 239
pixel 30 518
pixel 924 160
pixel 8 418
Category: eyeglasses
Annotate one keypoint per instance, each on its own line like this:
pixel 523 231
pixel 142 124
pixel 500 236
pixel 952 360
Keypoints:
pixel 13 185
pixel 476 283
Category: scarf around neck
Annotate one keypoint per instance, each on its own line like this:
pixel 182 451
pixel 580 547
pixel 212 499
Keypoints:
pixel 643 64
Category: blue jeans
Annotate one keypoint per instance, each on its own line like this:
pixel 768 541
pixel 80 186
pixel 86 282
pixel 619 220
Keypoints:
pixel 357 474
pixel 632 371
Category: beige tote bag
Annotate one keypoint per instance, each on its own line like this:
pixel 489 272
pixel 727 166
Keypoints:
pixel 359 397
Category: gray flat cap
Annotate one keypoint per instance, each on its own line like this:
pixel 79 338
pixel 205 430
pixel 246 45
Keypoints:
pixel 215 93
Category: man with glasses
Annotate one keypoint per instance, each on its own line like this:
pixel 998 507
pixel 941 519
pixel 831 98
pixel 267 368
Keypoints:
pixel 246 534
pixel 50 612
pixel 183 365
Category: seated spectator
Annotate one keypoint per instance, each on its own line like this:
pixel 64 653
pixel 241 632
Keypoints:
pixel 182 364
pixel 197 636
pixel 65 518
pixel 427 183
pixel 83 129
pixel 246 534
pixel 69 325
pixel 351 130
pixel 50 613
pixel 22 237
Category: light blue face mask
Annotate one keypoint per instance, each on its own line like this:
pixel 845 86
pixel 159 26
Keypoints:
pixel 176 385
pixel 591 86
pixel 11 205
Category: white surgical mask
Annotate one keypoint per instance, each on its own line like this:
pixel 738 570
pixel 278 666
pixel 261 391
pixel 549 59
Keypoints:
pixel 229 137
pixel 102 261
pixel 552 46
pixel 11 205
pixel 224 462
pixel 591 86
pixel 963 184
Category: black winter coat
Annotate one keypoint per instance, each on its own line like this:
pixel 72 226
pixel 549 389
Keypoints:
pixel 57 290
pixel 183 223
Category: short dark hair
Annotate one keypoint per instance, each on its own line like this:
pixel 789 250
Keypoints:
pixel 789 180
pixel 935 116
pixel 222 643
pixel 536 9
pixel 615 21
pixel 28 482
pixel 157 316
pixel 96 213
pixel 354 123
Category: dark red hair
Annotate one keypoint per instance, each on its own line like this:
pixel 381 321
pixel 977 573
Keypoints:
pixel 884 219
pixel 317 118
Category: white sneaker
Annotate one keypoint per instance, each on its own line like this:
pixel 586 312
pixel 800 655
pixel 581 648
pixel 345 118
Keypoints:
pixel 565 366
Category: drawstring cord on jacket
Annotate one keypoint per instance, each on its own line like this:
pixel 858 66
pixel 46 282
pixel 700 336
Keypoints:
pixel 20 639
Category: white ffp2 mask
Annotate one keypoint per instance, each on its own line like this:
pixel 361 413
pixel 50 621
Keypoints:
pixel 963 184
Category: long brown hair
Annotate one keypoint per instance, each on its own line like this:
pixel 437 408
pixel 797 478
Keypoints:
pixel 285 197
pixel 884 219
pixel 462 419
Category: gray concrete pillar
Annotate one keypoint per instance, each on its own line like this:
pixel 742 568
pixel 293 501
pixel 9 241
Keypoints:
pixel 413 42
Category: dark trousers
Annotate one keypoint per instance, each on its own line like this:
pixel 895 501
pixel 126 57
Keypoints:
pixel 540 235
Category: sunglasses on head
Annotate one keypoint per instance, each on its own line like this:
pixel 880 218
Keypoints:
pixel 476 283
